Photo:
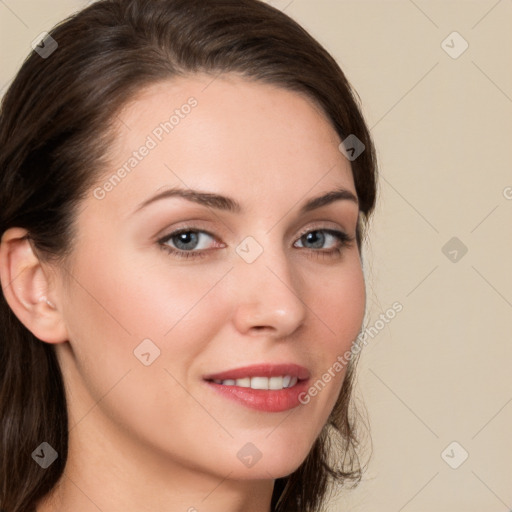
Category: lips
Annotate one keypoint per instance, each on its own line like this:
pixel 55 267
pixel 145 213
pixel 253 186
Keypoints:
pixel 279 399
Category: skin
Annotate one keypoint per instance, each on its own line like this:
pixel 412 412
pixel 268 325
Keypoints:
pixel 156 438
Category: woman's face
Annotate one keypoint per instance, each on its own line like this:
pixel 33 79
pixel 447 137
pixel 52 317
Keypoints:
pixel 247 285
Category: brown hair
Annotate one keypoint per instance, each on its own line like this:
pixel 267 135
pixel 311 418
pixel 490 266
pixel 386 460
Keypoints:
pixel 55 131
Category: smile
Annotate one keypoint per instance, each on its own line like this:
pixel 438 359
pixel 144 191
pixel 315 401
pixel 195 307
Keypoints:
pixel 264 387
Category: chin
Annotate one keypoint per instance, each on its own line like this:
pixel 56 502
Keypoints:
pixel 268 461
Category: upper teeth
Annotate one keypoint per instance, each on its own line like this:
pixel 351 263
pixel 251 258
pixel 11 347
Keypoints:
pixel 260 382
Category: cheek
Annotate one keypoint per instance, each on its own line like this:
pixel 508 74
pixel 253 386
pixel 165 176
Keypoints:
pixel 339 306
pixel 111 308
pixel 118 303
pixel 339 303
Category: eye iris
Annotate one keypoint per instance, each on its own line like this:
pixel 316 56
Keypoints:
pixel 315 238
pixel 187 237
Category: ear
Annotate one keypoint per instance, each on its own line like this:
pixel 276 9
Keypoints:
pixel 28 290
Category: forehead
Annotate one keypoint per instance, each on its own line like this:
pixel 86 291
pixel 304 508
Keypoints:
pixel 225 134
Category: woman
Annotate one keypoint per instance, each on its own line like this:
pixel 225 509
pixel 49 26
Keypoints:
pixel 184 187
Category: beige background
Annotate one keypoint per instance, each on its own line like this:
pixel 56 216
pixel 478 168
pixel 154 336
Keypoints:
pixel 440 370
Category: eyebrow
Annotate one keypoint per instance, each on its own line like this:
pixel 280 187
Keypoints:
pixel 229 204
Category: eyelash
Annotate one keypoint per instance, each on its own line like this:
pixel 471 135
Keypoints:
pixel 344 240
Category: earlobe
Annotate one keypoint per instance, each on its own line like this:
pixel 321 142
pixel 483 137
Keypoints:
pixel 27 289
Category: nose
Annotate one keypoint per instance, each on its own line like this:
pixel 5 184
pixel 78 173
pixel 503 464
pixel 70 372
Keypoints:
pixel 268 296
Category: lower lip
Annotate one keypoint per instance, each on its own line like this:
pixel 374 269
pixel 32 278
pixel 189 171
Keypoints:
pixel 262 399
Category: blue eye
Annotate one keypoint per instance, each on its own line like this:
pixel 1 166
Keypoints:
pixel 193 243
pixel 318 241
pixel 188 239
pixel 185 240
